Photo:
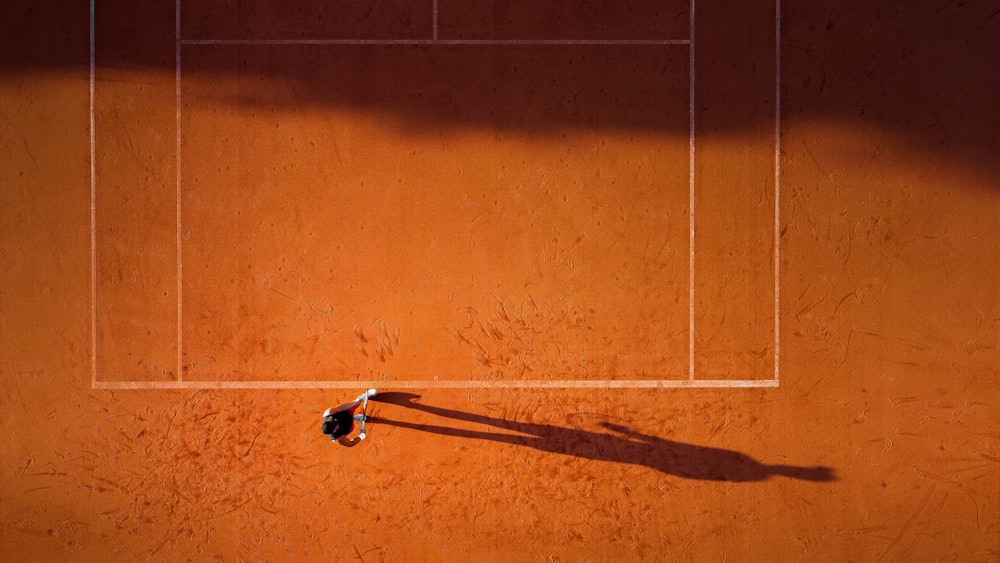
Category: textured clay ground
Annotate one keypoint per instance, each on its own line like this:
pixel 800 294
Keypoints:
pixel 486 213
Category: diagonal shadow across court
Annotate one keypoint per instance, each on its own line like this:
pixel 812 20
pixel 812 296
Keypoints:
pixel 620 445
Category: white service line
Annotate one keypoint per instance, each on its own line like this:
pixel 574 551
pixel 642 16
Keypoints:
pixel 443 42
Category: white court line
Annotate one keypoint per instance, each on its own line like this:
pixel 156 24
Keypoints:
pixel 441 384
pixel 180 278
pixel 435 15
pixel 444 42
pixel 93 203
pixel 691 197
pixel 180 384
pixel 777 189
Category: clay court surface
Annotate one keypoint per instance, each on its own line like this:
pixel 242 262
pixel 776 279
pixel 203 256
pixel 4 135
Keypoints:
pixel 635 283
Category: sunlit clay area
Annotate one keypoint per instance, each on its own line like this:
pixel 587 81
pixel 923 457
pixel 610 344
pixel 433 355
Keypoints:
pixel 499 280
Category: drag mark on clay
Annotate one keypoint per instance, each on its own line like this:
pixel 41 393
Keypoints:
pixel 516 340
pixel 970 492
pixel 383 343
pixel 285 295
pixel 318 314
pixel 905 535
pixel 361 555
pixel 252 442
pixel 17 381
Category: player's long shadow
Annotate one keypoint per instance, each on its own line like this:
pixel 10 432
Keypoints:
pixel 621 445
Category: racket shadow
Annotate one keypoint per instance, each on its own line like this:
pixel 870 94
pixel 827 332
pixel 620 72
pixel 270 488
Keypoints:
pixel 619 444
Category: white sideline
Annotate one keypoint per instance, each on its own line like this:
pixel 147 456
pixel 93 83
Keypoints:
pixel 691 82
pixel 180 264
pixel 777 189
pixel 93 205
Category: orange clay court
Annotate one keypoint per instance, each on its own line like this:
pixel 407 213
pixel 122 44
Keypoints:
pixel 684 280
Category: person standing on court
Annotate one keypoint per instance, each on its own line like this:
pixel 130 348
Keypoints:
pixel 338 422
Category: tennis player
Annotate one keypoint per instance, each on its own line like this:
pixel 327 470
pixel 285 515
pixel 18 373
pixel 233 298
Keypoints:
pixel 338 423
